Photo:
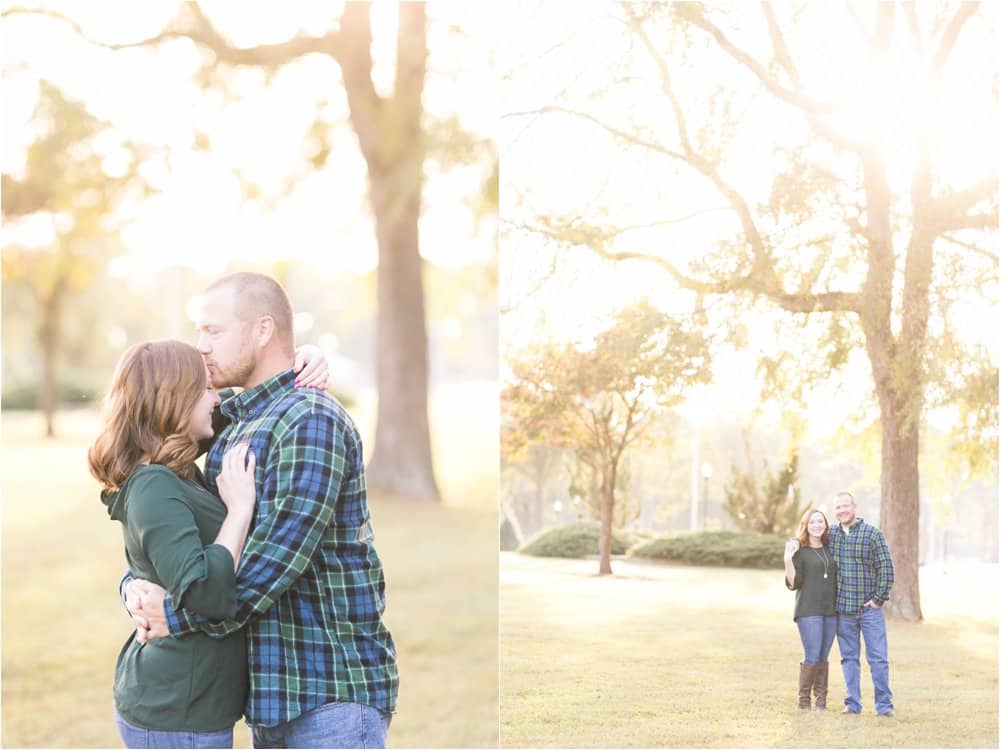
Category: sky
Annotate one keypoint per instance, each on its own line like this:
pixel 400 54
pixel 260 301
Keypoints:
pixel 199 216
pixel 553 164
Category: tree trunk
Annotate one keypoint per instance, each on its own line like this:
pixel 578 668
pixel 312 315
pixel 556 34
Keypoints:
pixel 900 510
pixel 48 335
pixel 607 514
pixel 536 509
pixel 391 138
pixel 401 463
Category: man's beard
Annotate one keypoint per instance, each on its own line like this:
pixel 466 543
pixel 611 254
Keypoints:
pixel 237 374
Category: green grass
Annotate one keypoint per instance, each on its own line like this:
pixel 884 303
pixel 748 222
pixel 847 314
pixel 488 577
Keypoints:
pixel 665 655
pixel 63 623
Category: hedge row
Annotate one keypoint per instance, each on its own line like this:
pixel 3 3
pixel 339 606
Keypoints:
pixel 732 549
pixel 578 539
pixel 723 548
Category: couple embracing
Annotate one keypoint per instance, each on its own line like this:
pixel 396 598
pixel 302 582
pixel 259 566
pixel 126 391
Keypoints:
pixel 255 586
pixel 841 577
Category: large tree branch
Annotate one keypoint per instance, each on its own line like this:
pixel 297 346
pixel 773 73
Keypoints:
pixel 958 203
pixel 910 13
pixel 411 57
pixel 985 220
pixel 879 42
pixel 704 166
pixel 191 23
pixel 948 39
pixel 356 66
pixel 802 302
pixel 818 302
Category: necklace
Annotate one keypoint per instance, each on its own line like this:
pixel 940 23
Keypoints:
pixel 826 560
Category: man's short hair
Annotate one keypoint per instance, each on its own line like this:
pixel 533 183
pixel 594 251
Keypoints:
pixel 256 295
pixel 845 493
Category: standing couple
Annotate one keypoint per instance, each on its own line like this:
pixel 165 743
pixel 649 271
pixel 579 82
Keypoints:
pixel 255 586
pixel 842 577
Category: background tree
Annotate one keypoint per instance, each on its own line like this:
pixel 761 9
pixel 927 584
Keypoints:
pixel 835 237
pixel 769 502
pixel 73 194
pixel 585 484
pixel 598 399
pixel 394 134
pixel 534 465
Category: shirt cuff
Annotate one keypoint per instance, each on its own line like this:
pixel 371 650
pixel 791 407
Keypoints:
pixel 173 623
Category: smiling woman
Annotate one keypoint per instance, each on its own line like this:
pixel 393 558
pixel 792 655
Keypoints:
pixel 179 536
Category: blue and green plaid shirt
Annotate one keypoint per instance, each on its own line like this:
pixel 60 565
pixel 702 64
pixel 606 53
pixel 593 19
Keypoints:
pixel 310 587
pixel 863 564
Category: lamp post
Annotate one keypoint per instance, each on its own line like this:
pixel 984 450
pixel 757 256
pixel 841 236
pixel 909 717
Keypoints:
pixel 706 474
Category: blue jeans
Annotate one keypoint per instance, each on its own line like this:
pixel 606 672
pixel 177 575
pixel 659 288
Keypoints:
pixel 332 725
pixel 817 632
pixel 850 628
pixel 134 736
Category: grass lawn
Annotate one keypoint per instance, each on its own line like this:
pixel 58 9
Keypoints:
pixel 63 623
pixel 670 656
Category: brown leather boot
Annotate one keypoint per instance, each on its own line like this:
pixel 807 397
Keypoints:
pixel 820 683
pixel 806 674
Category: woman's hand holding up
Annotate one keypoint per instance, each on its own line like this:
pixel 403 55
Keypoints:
pixel 311 368
pixel 791 547
pixel 238 492
pixel 236 480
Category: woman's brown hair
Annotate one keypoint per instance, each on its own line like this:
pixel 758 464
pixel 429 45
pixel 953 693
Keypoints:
pixel 803 534
pixel 147 412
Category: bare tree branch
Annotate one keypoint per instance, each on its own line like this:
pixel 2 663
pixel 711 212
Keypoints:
pixel 814 110
pixel 666 222
pixel 994 257
pixel 705 166
pixel 695 15
pixel 665 80
pixel 780 47
pixel 617 132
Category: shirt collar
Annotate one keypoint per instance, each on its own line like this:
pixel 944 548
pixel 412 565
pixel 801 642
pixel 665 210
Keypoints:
pixel 249 403
pixel 858 520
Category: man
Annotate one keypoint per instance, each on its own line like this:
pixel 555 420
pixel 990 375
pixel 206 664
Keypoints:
pixel 310 585
pixel 864 578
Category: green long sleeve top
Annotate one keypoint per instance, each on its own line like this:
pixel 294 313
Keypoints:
pixel 815 582
pixel 194 682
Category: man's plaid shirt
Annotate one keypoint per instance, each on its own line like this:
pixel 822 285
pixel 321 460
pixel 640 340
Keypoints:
pixel 863 566
pixel 310 587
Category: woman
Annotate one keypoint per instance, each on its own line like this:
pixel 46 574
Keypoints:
pixel 811 572
pixel 175 692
